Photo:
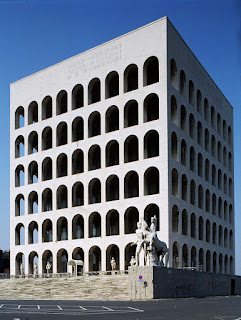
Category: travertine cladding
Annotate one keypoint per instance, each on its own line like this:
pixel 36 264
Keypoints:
pixel 112 287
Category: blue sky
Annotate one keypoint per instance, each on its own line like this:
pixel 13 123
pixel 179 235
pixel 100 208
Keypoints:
pixel 35 34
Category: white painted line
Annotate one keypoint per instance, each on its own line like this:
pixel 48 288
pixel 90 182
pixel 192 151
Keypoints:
pixel 135 309
pixel 59 308
pixel 106 308
pixel 19 306
pixel 38 306
pixel 237 319
pixel 82 308
pixel 1 306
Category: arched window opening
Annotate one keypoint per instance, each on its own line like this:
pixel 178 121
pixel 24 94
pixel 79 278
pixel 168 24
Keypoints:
pixel 193 257
pixel 61 102
pixel 112 119
pixel 19 176
pixel 131 185
pixel 77 97
pixel 213 175
pixel 33 172
pixel 230 137
pixel 192 159
pixel 213 150
pixel 219 152
pixel 230 211
pixel 174 148
pixel 219 179
pixel 33 202
pixel 94 91
pixel 62 165
pixel 94 124
pixel 199 102
pixel 225 183
pixel 225 210
pixel 62 197
pixel 231 267
pixel 193 225
pixel 191 92
pixel 62 261
pixel 200 165
pixel 191 126
pixel 33 232
pixel 131 114
pixel 230 162
pixel 224 130
pixel 94 157
pixel 174 79
pixel 112 188
pixel 182 83
pixel 200 228
pixel 206 110
pixel 175 219
pixel 112 252
pixel 131 149
pixel 183 120
pixel 20 259
pixel 207 200
pixel 112 85
pixel 184 152
pixel 230 189
pixel 193 192
pixel 19 235
pixel 151 71
pixel 184 187
pixel 220 236
pixel 47 106
pixel 94 225
pixel 33 142
pixel 32 260
pixel 94 191
pixel 78 194
pixel 219 124
pixel 150 211
pixel 19 118
pixel 226 238
pixel 207 170
pixel 185 256
pixel 62 229
pixel 94 259
pixel 151 107
pixel 47 231
pixel 207 231
pixel 78 227
pixel 225 157
pixel 47 140
pixel 130 251
pixel 214 233
pixel 201 260
pixel 77 129
pixel 151 181
pixel 174 110
pixel 207 144
pixel 112 153
pixel 200 197
pixel 131 78
pixel 33 112
pixel 47 257
pixel 47 169
pixel 231 240
pixel 61 134
pixel 175 182
pixel 213 118
pixel 131 218
pixel 151 144
pixel 175 255
pixel 226 264
pixel 77 161
pixel 208 261
pixel 112 223
pixel 199 134
pixel 47 200
pixel 184 222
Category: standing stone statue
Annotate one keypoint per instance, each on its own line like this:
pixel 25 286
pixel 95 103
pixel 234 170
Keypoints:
pixel 113 264
pixel 21 270
pixel 48 267
pixel 132 261
pixel 35 269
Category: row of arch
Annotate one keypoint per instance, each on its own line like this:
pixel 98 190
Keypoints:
pixel 196 100
pixel 151 112
pixel 74 228
pixel 150 76
pixel 112 157
pixel 112 192
pixel 197 228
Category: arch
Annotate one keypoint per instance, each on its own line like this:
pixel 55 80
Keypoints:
pixel 199 134
pixel 184 222
pixel 33 202
pixel 207 170
pixel 112 119
pixel 192 159
pixel 182 83
pixel 62 261
pixel 206 110
pixel 193 225
pixel 112 251
pixel 220 263
pixel 61 102
pixel 175 183
pixel 231 265
pixel 151 181
pixel 77 97
pixel 213 146
pixel 112 188
pixel 131 78
pixel 225 210
pixel 131 114
pixel 32 260
pixel 19 176
pixel 19 118
pixel 33 112
pixel 175 219
pixel 219 179
pixel 33 142
pixel 130 250
pixel 226 238
pixel 174 146
pixel 213 175
pixel 47 168
pixel 225 157
pixel 231 240
pixel 220 236
pixel 112 153
pixel 191 126
pixel 230 136
pixel 173 74
pixel 19 234
pixel 62 229
pixel 95 259
pixel 94 124
pixel 183 152
pixel 94 157
pixel 94 191
pixel 219 123
pixel 20 259
pixel 199 102
pixel 77 129
pixel 200 196
pixel 61 134
pixel 19 147
pixel 219 152
pixel 213 118
pixel 201 259
pixel 19 205
pixel 174 116
pixel 78 254
pixel 230 211
pixel 225 183
pixel 112 223
pixel 47 108
pixel 184 256
pixel 131 217
pixel 131 149
pixel 112 85
pixel 78 227
pixel 191 93
pixel 200 165
pixel 184 187
pixel 208 261
pixel 62 197
pixel 150 71
pixel 200 228
pixel 94 91
pixel 62 165
pixel 207 142
pixel 94 225
pixel 207 200
pixel 193 257
pixel 131 185
pixel 183 118
pixel 193 192
pixel 230 188
pixel 78 194
pixel 47 231
pixel 151 107
pixel 226 264
pixel 47 200
pixel 77 161
pixel 230 162
pixel 47 256
pixel 208 231
pixel 224 130
pixel 175 255
pixel 150 211
pixel 47 139
pixel 214 262
pixel 33 232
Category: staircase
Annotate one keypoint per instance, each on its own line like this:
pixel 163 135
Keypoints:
pixel 94 287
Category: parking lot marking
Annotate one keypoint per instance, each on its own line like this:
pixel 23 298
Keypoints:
pixel 83 308
pixel 38 306
pixel 107 308
pixel 59 308
pixel 19 306
pixel 1 306
pixel 135 309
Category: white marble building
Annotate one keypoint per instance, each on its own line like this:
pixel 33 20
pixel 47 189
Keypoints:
pixel 130 129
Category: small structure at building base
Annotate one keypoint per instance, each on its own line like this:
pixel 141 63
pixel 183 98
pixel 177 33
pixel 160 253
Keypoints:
pixel 75 267
pixel 157 282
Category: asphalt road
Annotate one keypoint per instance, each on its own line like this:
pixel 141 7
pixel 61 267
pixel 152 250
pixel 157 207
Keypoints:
pixel 215 308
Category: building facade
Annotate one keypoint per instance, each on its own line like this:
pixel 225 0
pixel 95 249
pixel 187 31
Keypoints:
pixel 130 129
